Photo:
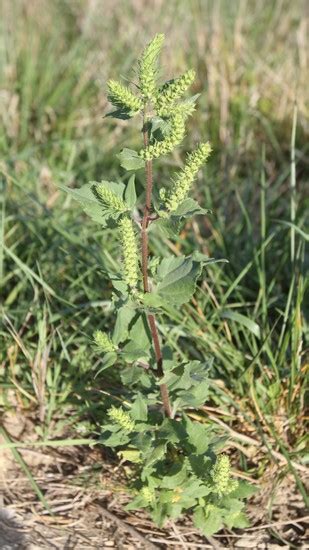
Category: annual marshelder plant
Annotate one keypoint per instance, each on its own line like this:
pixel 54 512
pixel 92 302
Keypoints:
pixel 175 461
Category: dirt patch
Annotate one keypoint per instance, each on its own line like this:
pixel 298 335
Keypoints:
pixel 85 493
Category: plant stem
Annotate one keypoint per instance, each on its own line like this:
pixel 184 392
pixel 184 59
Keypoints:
pixel 145 253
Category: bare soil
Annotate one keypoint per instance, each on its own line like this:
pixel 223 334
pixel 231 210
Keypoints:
pixel 85 492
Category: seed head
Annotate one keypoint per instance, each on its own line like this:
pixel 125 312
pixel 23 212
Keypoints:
pixel 221 475
pixel 122 97
pixel 159 148
pixel 130 251
pixel 185 178
pixel 109 198
pixel 148 494
pixel 147 66
pixel 121 417
pixel 172 91
pixel 104 342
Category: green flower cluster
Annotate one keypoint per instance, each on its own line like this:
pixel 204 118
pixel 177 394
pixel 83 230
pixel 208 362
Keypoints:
pixel 130 252
pixel 110 199
pixel 221 475
pixel 176 135
pixel 185 109
pixel 104 342
pixel 172 91
pixel 122 418
pixel 147 66
pixel 185 178
pixel 120 96
pixel 148 494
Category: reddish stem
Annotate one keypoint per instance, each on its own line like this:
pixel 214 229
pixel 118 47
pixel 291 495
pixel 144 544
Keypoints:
pixel 145 253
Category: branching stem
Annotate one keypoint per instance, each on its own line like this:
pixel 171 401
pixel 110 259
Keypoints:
pixel 145 253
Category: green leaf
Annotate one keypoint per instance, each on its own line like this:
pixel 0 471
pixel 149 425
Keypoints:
pixel 244 490
pixel 123 114
pixel 242 320
pixel 206 260
pixel 298 230
pixel 188 208
pixel 198 436
pixel 160 128
pixel 139 408
pixel 152 299
pixel 119 284
pixel 134 354
pixel 130 192
pixel 91 204
pixel 108 360
pixel 156 454
pixel 175 478
pixel 179 281
pixel 196 396
pixel 209 522
pixel 169 264
pixel 138 502
pixel 186 375
pixel 172 431
pixel 135 375
pixel 132 455
pixel 116 439
pixel 167 227
pixel 139 335
pixel 142 441
pixel 130 160
pixel 125 315
pixel 236 519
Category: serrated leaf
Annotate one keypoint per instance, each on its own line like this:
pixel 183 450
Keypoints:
pixel 135 375
pixel 196 396
pixel 139 335
pixel 130 192
pixel 156 454
pixel 168 227
pixel 91 203
pixel 178 284
pixel 208 522
pixel 199 436
pixel 125 314
pixel 88 202
pixel 175 478
pixel 139 408
pixel 172 431
pixel 130 160
pixel 119 284
pixel 188 208
pixel 186 375
pixel 244 490
pixel 116 439
pixel 238 520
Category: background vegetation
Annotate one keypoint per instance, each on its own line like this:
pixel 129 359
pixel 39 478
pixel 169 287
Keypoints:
pixel 248 315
